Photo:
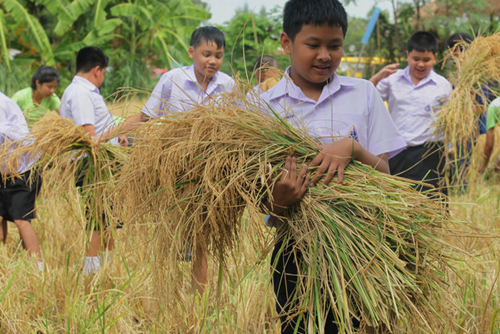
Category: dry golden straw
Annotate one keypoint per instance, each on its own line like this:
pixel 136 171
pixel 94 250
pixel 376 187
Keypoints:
pixel 477 67
pixel 371 246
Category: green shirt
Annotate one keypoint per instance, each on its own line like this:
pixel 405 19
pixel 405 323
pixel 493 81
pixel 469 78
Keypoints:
pixel 24 98
pixel 493 114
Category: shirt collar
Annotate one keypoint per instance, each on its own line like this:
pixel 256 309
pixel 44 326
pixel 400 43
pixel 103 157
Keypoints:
pixel 286 86
pixel 432 76
pixel 192 76
pixel 85 83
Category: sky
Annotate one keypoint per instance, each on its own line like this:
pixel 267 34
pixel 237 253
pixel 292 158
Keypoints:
pixel 224 10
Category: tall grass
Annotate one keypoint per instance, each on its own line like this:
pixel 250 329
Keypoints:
pixel 124 296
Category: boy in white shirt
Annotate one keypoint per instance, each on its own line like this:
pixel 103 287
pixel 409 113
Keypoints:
pixel 83 103
pixel 17 195
pixel 345 115
pixel 181 89
pixel 414 96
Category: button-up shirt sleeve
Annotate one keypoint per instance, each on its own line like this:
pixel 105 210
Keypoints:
pixel 13 127
pixel 81 110
pixel 158 101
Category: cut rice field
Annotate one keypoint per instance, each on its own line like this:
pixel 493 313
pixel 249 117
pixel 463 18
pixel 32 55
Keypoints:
pixel 124 297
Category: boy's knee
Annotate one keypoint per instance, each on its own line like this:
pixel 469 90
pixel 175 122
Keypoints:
pixel 22 223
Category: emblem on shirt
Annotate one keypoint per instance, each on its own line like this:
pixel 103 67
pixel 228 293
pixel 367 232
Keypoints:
pixel 437 104
pixel 354 133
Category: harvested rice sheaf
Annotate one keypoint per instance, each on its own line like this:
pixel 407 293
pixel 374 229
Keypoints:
pixel 371 246
pixel 476 68
pixel 58 144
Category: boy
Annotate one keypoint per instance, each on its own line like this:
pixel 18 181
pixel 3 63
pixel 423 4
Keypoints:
pixel 346 115
pixel 492 119
pixel 17 195
pixel 414 96
pixel 266 72
pixel 83 103
pixel 181 89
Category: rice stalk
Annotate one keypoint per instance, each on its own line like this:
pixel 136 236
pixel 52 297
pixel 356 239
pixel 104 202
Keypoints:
pixel 477 67
pixel 371 246
pixel 56 143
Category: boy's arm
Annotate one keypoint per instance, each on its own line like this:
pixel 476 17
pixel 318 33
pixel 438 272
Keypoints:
pixel 123 128
pixel 292 185
pixel 488 149
pixel 335 157
pixel 384 73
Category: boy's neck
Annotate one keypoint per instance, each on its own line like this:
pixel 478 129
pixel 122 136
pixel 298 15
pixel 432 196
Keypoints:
pixel 311 90
pixel 203 81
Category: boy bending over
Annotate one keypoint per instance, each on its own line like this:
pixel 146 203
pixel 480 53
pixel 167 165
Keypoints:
pixel 83 103
pixel 17 195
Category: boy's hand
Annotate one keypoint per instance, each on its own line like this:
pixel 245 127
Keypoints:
pixel 290 188
pixel 123 141
pixel 333 159
pixel 384 73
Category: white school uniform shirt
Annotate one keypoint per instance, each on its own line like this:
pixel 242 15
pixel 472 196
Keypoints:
pixel 83 103
pixel 13 127
pixel 347 107
pixel 414 108
pixel 178 90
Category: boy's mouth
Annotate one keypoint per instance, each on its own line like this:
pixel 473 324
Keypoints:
pixel 321 68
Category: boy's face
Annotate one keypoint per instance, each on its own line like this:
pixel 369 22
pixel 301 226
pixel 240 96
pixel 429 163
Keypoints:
pixel 207 60
pixel 315 54
pixel 420 63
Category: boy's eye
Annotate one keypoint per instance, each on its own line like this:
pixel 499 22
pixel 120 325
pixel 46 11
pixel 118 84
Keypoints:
pixel 335 47
pixel 312 45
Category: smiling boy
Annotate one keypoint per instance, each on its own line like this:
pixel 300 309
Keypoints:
pixel 181 89
pixel 346 116
pixel 414 96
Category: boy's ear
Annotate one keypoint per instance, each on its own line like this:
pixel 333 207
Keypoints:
pixel 191 52
pixel 286 43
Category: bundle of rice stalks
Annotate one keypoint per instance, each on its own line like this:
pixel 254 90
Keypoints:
pixel 58 144
pixel 477 70
pixel 370 245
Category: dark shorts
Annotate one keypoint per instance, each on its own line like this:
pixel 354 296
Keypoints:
pixel 95 220
pixel 285 262
pixel 17 197
pixel 421 163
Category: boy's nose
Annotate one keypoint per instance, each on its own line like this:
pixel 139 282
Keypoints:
pixel 323 54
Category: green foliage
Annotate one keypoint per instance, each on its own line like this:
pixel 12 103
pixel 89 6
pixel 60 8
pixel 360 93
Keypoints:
pixel 137 35
pixel 249 35
pixel 32 32
pixel 14 78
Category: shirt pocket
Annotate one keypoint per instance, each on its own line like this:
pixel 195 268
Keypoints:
pixel 341 126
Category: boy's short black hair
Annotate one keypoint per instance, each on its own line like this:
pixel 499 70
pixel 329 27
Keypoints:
pixel 44 74
pixel 265 62
pixel 90 57
pixel 458 38
pixel 208 34
pixel 298 13
pixel 422 41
